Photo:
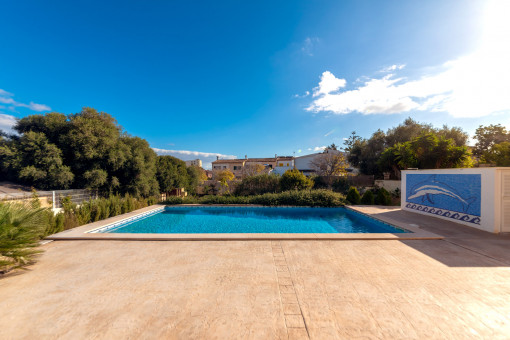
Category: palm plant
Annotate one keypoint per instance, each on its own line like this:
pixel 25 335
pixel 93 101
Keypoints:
pixel 21 227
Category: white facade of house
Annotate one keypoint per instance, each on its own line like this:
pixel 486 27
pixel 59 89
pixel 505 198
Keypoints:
pixel 476 197
pixel 194 162
pixel 304 163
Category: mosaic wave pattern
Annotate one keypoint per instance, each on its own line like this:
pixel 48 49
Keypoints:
pixel 456 196
pixel 207 220
pixel 445 213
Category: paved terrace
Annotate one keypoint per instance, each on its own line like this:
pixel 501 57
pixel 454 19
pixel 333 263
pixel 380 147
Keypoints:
pixel 457 288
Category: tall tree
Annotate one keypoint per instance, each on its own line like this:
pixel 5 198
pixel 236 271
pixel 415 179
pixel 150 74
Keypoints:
pixel 86 149
pixel 488 136
pixel 427 151
pixel 171 173
pixel 498 155
pixel 33 160
pixel 329 165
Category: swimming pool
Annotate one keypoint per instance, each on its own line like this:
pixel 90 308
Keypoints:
pixel 213 220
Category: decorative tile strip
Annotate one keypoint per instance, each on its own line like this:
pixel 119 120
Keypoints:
pixel 445 213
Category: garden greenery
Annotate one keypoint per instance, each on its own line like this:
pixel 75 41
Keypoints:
pixel 311 198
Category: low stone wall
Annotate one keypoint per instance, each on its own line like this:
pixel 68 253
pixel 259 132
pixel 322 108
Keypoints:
pixel 390 185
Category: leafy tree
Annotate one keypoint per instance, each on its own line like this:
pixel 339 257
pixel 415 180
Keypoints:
pixel 95 178
pixel 333 146
pixel 371 157
pixel 427 151
pixel 171 173
pixel 351 141
pixel 224 176
pixel 459 136
pixel 138 174
pixel 329 165
pixel 32 160
pixel 406 131
pixel 196 175
pixel 488 136
pixel 498 155
pixel 253 169
pixel 86 149
pixel 365 154
pixel 54 126
pixel 295 180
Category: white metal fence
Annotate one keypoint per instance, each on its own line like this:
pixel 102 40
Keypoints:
pixel 53 198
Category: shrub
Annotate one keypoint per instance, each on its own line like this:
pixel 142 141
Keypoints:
pixel 341 185
pixel 257 185
pixel 319 182
pixel 21 227
pixel 295 180
pixel 311 198
pixel 353 196
pixel 368 198
pixel 383 197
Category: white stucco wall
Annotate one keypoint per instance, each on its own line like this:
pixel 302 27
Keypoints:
pixel 490 196
pixel 390 185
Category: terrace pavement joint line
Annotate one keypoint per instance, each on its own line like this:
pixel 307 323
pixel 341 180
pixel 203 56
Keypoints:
pixel 293 314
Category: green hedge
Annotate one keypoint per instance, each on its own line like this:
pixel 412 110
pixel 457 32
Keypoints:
pixel 92 211
pixel 310 198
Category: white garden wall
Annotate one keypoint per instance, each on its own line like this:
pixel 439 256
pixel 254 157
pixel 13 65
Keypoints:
pixel 474 197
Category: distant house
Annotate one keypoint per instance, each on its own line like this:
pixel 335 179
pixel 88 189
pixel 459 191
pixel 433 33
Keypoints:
pixel 194 162
pixel 234 165
pixel 304 163
pixel 240 167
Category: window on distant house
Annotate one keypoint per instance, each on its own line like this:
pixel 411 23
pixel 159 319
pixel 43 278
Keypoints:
pixel 224 167
pixel 237 167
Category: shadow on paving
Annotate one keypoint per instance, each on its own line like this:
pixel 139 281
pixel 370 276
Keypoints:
pixel 462 246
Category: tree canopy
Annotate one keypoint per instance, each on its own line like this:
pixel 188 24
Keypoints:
pixel 88 149
pixel 295 180
pixel 378 153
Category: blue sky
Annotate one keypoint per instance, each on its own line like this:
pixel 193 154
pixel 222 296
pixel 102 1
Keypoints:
pixel 257 78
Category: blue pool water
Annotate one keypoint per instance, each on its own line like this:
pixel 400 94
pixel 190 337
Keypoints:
pixel 210 220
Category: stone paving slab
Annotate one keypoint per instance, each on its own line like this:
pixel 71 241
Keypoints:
pixel 457 287
pixel 232 290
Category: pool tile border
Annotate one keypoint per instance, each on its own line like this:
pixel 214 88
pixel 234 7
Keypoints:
pixel 92 231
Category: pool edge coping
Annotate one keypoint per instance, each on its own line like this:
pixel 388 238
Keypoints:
pixel 86 232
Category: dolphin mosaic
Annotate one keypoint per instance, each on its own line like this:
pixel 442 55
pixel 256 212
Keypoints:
pixel 430 187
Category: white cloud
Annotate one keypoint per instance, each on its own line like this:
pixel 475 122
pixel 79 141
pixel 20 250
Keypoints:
pixel 4 93
pixel 471 86
pixel 7 122
pixel 6 98
pixel 307 93
pixel 392 68
pixel 329 83
pixel 319 148
pixel 185 155
pixel 330 132
pixel 308 45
